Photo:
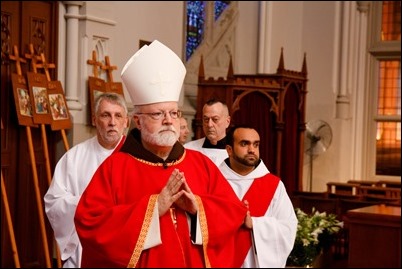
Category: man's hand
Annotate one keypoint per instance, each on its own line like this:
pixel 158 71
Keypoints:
pixel 187 201
pixel 178 192
pixel 171 192
pixel 248 222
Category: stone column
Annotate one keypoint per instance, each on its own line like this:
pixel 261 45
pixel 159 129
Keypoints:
pixel 72 17
pixel 264 34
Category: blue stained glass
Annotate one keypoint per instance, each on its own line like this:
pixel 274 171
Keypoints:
pixel 219 7
pixel 195 26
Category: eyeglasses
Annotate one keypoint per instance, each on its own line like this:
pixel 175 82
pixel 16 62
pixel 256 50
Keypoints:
pixel 174 114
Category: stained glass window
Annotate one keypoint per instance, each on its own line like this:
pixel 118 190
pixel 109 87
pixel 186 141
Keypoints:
pixel 219 7
pixel 195 26
pixel 196 17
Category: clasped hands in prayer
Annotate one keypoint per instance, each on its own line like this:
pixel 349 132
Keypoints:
pixel 177 192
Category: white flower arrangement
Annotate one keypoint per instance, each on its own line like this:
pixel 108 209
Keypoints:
pixel 314 232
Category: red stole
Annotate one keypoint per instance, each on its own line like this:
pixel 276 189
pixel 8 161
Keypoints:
pixel 259 197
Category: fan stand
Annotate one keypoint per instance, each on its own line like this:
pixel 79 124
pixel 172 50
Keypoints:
pixel 313 143
pixel 311 171
pixel 317 131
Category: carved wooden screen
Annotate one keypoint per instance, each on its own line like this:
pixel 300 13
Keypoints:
pixel 293 134
pixel 274 104
pixel 256 108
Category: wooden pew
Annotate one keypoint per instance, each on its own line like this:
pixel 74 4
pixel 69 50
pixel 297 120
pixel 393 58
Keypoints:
pixel 345 196
pixel 382 200
pixel 343 199
pixel 342 188
pixel 389 184
pixel 364 182
pixel 379 192
pixel 295 196
pixel 321 204
pixel 321 194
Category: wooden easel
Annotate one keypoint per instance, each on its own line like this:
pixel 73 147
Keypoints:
pixel 9 219
pixel 96 85
pixel 35 65
pixel 38 195
pixel 46 67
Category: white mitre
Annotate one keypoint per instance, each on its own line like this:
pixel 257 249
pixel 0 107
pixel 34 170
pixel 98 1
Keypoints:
pixel 154 74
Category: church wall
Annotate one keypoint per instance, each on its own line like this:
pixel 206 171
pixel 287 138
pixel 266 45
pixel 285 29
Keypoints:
pixel 246 42
pixel 320 43
pixel 117 27
pixel 298 27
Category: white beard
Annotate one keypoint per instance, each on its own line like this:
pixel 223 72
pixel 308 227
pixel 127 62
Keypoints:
pixel 161 139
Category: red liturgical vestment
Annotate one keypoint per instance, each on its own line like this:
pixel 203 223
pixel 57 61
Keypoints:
pixel 115 218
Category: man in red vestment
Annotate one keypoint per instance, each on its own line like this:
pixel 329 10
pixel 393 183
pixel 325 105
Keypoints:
pixel 153 203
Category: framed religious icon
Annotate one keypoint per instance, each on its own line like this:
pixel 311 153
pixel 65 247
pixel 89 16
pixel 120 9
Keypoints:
pixel 58 106
pixel 39 97
pixel 96 87
pixel 22 100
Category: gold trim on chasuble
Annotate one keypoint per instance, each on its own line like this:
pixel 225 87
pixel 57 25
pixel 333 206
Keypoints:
pixel 162 164
pixel 204 230
pixel 144 231
pixel 148 216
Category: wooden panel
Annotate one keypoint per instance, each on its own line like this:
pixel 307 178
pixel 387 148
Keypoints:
pixel 374 237
pixel 19 28
pixel 8 156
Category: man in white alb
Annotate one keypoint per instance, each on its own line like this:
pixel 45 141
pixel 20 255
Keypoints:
pixel 75 169
pixel 271 222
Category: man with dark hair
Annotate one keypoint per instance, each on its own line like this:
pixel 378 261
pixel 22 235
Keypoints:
pixel 215 121
pixel 271 224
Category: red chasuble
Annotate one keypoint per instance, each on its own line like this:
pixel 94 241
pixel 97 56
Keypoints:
pixel 113 216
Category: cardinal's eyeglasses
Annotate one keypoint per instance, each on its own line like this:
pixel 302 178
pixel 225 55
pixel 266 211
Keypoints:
pixel 174 114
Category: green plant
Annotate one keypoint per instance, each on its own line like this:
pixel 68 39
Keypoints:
pixel 315 232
